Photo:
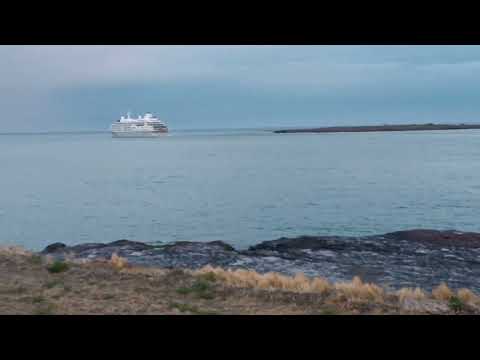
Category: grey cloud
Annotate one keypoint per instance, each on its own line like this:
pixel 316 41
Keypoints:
pixel 43 82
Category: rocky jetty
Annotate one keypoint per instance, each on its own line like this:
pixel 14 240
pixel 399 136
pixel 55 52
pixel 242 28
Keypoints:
pixel 410 258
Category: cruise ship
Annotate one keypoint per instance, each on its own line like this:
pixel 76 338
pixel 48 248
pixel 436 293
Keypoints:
pixel 146 126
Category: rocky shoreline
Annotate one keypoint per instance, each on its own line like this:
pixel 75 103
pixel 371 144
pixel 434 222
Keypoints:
pixel 423 258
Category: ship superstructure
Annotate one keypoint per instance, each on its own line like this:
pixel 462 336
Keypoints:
pixel 146 126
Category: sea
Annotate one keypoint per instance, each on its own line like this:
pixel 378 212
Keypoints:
pixel 239 186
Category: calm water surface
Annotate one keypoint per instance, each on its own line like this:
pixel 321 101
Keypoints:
pixel 240 187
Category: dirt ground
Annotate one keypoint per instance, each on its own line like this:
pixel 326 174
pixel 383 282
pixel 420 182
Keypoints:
pixel 30 285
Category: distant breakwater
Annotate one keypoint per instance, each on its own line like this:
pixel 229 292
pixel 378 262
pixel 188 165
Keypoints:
pixel 380 128
pixel 423 258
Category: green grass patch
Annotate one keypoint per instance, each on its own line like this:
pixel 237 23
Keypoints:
pixel 36 260
pixel 210 276
pixel 45 309
pixel 57 267
pixel 456 304
pixel 191 309
pixel 38 299
pixel 329 311
pixel 201 289
pixel 52 284
pixel 184 290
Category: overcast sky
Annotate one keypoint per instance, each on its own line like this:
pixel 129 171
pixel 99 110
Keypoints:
pixel 56 88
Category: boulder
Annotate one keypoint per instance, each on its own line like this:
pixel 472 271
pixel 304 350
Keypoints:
pixel 133 245
pixel 54 248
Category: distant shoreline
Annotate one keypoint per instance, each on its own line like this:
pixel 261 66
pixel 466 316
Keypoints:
pixel 380 128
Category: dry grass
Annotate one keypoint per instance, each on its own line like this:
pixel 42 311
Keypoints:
pixel 468 296
pixel 352 291
pixel 118 262
pixel 14 250
pixel 360 291
pixel 115 287
pixel 149 272
pixel 411 294
pixel 355 290
pixel 442 292
pixel 269 281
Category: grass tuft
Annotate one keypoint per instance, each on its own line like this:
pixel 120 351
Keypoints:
pixel 467 296
pixel 57 267
pixel 360 291
pixel 456 304
pixel 208 276
pixel 36 260
pixel 202 289
pixel 442 292
pixel 411 294
pixel 38 299
pixel 269 281
pixel 52 284
pixel 118 262
pixel 45 309
pixel 14 250
pixel 190 308
pixel 329 312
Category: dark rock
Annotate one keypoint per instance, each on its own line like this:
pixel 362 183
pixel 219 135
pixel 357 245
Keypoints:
pixel 183 245
pixel 435 237
pixel 108 247
pixel 53 248
pixel 301 242
pixel 85 247
pixel 134 245
pixel 223 245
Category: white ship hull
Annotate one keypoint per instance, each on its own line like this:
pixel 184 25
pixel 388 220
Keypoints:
pixel 138 134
